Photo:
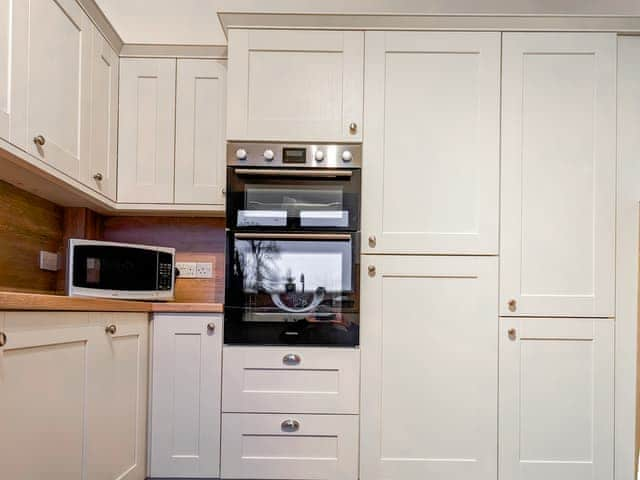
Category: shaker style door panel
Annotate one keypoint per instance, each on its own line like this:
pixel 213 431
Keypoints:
pixel 99 172
pixel 118 415
pixel 558 174
pixel 200 131
pixel 6 46
pixel 556 399
pixel 430 180
pixel 146 131
pixel 292 85
pixel 51 105
pixel 185 402
pixel 429 382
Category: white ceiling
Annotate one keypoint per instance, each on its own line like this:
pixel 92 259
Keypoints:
pixel 195 22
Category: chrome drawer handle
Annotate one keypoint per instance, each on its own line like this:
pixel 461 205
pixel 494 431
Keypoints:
pixel 291 359
pixel 290 425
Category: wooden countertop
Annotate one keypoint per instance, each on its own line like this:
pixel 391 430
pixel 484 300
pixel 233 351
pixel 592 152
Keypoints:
pixel 46 302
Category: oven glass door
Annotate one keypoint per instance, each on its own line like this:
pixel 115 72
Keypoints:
pixel 292 289
pixel 293 199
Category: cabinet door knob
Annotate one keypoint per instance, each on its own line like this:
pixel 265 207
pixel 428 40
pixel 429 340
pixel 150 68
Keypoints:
pixel 372 241
pixel 372 270
pixel 512 333
pixel 3 339
pixel 353 127
pixel 39 140
pixel 98 177
pixel 211 327
pixel 112 329
pixel 290 425
pixel 512 305
pixel 291 359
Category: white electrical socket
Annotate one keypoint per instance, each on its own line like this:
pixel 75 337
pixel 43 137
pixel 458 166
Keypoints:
pixel 187 269
pixel 49 261
pixel 204 270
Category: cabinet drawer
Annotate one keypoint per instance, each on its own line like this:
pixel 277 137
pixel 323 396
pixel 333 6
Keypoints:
pixel 281 446
pixel 301 380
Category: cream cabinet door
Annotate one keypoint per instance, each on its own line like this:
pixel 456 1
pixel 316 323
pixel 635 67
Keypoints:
pixel 50 96
pixel 556 399
pixel 291 85
pixel 46 367
pixel 557 246
pixel 200 131
pixel 117 415
pixel 430 180
pixel 146 131
pixel 100 171
pixel 6 46
pixel 185 398
pixel 429 385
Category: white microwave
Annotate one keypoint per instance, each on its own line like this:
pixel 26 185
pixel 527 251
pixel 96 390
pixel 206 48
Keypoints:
pixel 120 270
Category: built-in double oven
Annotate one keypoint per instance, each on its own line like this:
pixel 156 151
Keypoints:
pixel 292 262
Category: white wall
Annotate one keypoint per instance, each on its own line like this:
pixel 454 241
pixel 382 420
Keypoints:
pixel 196 22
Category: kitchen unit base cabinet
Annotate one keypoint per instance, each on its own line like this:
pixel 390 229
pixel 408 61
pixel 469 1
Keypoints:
pixel 291 379
pixel 185 398
pixel 556 399
pixel 282 446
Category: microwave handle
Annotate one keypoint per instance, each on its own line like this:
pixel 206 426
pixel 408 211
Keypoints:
pixel 294 236
pixel 272 172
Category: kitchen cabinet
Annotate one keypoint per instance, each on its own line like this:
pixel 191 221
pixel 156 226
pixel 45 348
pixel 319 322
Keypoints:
pixel 100 170
pixel 185 399
pixel 6 46
pixel 200 132
pixel 295 85
pixel 49 97
pixel 430 184
pixel 146 130
pixel 278 446
pixel 556 398
pixel 73 396
pixel 557 247
pixel 429 385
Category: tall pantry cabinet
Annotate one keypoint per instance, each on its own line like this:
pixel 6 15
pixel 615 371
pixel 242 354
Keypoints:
pixel 456 125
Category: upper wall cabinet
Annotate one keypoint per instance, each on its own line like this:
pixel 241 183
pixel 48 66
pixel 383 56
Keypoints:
pixel 6 45
pixel 200 131
pixel 146 130
pixel 99 171
pixel 432 103
pixel 295 85
pixel 50 108
pixel 558 174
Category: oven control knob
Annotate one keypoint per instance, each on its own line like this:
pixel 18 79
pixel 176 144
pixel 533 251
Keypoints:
pixel 319 155
pixel 347 156
pixel 268 155
pixel 241 154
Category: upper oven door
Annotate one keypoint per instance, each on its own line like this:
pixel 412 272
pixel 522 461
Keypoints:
pixel 281 199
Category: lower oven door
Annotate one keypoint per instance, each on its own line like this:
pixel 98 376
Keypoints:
pixel 292 289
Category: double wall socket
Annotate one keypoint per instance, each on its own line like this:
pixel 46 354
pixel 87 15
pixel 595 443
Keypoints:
pixel 195 270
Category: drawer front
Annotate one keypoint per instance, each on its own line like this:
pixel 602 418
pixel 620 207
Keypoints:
pixel 292 447
pixel 300 380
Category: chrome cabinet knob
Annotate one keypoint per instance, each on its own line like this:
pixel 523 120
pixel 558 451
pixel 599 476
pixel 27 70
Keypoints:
pixel 512 305
pixel 353 127
pixel 112 329
pixel 3 339
pixel 39 140
pixel 211 327
pixel 372 270
pixel 291 359
pixel 512 333
pixel 290 425
pixel 372 241
pixel 98 177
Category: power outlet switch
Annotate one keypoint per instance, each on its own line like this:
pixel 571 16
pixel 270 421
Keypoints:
pixel 48 261
pixel 204 270
pixel 186 269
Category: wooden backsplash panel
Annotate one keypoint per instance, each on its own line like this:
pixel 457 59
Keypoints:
pixel 195 240
pixel 28 224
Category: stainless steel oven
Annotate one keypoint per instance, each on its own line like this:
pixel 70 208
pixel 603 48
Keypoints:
pixel 292 263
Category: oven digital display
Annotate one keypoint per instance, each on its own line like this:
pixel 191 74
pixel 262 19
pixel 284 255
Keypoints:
pixel 294 155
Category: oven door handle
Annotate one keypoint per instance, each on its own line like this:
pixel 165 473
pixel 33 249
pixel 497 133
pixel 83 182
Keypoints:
pixel 294 236
pixel 272 172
